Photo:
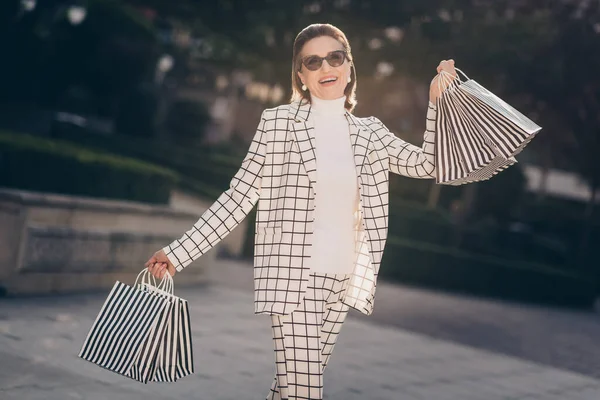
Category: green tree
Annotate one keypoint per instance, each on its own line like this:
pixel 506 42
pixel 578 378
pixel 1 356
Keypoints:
pixel 107 55
pixel 187 121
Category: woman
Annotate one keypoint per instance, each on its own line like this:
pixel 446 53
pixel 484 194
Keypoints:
pixel 320 177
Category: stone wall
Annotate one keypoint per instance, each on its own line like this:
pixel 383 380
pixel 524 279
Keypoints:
pixel 54 243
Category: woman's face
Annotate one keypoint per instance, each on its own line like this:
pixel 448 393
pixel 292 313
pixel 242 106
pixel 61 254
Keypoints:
pixel 327 82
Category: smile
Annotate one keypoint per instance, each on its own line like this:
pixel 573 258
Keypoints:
pixel 329 79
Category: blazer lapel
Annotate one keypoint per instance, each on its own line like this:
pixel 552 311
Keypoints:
pixel 360 139
pixel 303 131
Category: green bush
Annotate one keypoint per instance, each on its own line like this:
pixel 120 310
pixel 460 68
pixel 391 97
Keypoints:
pixel 417 222
pixel 561 217
pixel 34 163
pixel 187 121
pixel 409 189
pixel 198 164
pixel 448 268
pixel 500 196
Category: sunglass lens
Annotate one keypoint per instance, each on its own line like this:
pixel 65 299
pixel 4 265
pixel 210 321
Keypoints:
pixel 336 58
pixel 313 63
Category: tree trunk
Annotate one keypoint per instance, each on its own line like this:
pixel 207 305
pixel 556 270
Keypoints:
pixel 591 205
pixel 467 201
pixel 434 195
pixel 543 189
pixel 588 224
pixel 468 198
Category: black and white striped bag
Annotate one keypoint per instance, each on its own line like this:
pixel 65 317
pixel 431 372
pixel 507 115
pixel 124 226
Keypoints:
pixel 130 335
pixel 175 355
pixel 477 133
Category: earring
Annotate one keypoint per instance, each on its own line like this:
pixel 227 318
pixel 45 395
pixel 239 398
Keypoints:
pixel 304 87
pixel 349 79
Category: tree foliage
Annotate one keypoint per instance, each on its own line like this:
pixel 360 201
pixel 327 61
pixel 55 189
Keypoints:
pixel 541 56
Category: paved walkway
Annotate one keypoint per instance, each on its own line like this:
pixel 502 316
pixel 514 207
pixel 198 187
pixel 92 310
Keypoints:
pixel 560 338
pixel 40 339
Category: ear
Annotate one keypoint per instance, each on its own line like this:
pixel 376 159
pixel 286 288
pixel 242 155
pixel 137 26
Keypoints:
pixel 301 77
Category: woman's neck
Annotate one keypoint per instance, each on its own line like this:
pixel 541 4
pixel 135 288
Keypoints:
pixel 328 107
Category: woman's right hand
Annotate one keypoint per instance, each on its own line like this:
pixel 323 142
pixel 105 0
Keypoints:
pixel 158 264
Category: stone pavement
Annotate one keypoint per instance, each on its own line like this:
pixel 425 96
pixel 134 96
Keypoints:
pixel 553 336
pixel 40 338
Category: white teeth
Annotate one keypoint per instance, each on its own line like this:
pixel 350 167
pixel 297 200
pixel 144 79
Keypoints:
pixel 328 80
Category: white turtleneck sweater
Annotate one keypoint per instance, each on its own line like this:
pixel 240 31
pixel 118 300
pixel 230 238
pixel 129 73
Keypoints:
pixel 336 192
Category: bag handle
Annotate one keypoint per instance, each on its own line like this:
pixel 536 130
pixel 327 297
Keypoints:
pixel 459 70
pixel 449 79
pixel 446 78
pixel 166 283
pixel 145 274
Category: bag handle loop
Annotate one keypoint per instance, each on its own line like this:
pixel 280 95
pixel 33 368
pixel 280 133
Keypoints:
pixel 449 79
pixel 146 275
pixel 166 283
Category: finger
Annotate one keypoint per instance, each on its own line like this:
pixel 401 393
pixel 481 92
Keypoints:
pixel 159 271
pixel 155 269
pixel 151 261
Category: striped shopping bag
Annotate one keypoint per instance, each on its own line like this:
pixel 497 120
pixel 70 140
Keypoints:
pixel 175 356
pixel 126 336
pixel 477 133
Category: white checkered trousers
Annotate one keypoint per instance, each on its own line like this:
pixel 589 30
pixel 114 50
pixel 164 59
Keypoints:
pixel 279 173
pixel 304 339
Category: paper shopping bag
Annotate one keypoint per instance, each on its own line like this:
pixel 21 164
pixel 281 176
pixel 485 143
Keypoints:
pixel 127 331
pixel 175 356
pixel 477 134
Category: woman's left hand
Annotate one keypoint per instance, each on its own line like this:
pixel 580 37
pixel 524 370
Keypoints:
pixel 434 88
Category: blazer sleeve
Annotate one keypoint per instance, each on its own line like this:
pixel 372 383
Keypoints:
pixel 230 208
pixel 410 160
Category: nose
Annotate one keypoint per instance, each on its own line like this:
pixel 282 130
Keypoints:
pixel 325 66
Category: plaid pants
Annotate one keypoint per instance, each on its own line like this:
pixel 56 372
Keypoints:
pixel 304 339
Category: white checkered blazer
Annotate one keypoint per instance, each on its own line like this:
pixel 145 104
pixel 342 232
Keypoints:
pixel 279 172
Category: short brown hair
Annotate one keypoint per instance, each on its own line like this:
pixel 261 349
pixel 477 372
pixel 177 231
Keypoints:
pixel 311 32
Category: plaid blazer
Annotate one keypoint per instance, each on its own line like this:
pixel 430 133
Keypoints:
pixel 279 172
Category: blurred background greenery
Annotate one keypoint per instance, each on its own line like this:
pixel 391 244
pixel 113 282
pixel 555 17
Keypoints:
pixel 133 99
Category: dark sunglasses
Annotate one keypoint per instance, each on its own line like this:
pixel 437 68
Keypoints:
pixel 334 58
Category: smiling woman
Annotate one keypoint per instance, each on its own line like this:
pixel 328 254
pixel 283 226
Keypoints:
pixel 322 66
pixel 325 81
pixel 320 176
